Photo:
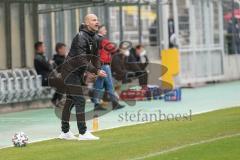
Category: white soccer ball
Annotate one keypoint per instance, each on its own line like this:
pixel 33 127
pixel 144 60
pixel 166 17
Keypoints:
pixel 20 139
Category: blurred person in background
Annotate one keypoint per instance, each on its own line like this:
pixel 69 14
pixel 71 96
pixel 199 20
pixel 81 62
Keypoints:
pixel 137 62
pixel 119 64
pixel 106 49
pixel 58 58
pixel 61 53
pixel 233 36
pixel 42 65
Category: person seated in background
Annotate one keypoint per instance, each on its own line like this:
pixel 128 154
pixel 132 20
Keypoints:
pixel 106 49
pixel 58 58
pixel 42 65
pixel 137 62
pixel 119 64
pixel 61 52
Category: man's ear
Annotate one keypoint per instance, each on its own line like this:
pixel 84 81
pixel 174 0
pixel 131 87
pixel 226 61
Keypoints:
pixel 87 23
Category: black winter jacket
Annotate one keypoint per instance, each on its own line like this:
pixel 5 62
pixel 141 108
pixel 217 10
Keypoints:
pixel 42 67
pixel 58 59
pixel 83 55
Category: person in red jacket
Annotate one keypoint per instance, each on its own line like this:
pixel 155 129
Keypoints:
pixel 106 49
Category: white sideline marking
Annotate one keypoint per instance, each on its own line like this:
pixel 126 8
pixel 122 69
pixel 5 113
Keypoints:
pixel 185 146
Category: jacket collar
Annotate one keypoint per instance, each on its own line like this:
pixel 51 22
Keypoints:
pixel 41 54
pixel 91 33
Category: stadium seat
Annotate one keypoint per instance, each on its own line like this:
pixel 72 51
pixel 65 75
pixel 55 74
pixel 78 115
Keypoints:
pixel 43 92
pixel 11 96
pixel 20 85
pixel 3 88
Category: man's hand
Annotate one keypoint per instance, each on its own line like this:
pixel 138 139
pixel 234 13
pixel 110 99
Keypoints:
pixel 102 73
pixel 51 62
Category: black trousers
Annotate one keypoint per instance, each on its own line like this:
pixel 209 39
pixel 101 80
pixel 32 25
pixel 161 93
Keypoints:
pixel 57 97
pixel 77 100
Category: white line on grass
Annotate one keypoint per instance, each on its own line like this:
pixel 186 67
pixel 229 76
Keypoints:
pixel 185 146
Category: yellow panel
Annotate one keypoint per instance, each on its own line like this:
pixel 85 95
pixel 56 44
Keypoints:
pixel 170 59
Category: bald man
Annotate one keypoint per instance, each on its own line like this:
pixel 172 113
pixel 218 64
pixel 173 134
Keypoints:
pixel 82 57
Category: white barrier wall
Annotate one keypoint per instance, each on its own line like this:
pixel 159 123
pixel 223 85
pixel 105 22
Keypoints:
pixel 232 67
pixel 15 36
pixel 3 38
pixel 29 33
pixel 199 31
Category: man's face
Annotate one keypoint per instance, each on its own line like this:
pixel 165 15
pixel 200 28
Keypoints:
pixel 41 49
pixel 62 51
pixel 92 23
pixel 103 31
pixel 139 51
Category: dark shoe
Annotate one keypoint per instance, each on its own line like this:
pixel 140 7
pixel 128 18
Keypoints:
pixel 119 106
pixel 99 107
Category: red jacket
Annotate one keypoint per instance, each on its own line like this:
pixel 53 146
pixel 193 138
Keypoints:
pixel 106 50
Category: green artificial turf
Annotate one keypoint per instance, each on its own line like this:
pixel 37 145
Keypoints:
pixel 222 149
pixel 141 140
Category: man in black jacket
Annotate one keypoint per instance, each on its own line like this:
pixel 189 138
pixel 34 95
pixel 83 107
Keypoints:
pixel 60 55
pixel 58 59
pixel 41 64
pixel 82 57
